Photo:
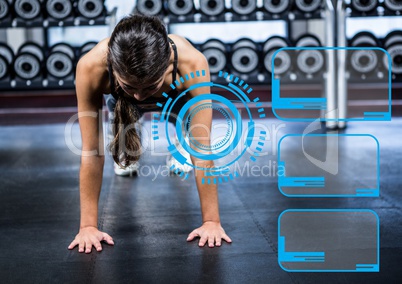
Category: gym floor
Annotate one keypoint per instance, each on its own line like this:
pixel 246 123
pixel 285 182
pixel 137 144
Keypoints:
pixel 150 220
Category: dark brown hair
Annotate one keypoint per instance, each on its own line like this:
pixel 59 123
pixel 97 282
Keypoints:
pixel 139 51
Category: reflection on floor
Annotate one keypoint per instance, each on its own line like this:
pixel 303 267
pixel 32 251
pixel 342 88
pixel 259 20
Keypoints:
pixel 150 216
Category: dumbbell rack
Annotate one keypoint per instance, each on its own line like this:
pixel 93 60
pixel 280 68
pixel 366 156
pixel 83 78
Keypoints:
pixel 17 84
pixel 342 89
pixel 259 15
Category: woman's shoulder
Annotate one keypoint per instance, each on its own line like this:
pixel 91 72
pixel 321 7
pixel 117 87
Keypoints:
pixel 97 56
pixel 93 65
pixel 187 53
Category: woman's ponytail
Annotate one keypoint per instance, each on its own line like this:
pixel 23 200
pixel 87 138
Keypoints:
pixel 126 144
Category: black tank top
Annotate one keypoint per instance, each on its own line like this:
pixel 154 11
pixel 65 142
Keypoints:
pixel 173 93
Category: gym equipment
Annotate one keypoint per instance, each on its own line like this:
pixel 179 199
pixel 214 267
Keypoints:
pixel 276 6
pixel 364 6
pixel 212 8
pixel 180 7
pixel 149 7
pixel 282 61
pixel 4 67
pixel 59 9
pixel 393 5
pixel 6 60
pixel 244 7
pixel 60 61
pixel 214 51
pixel 308 6
pixel 90 9
pixel 27 9
pixel 309 61
pixel 4 9
pixel 393 45
pixel 244 57
pixel 28 62
pixel 364 60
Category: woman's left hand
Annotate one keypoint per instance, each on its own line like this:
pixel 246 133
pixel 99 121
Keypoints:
pixel 211 232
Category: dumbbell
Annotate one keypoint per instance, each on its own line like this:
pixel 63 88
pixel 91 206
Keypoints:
pixel 6 60
pixel 282 61
pixel 393 45
pixel 393 5
pixel 244 7
pixel 212 8
pixel 363 61
pixel 28 9
pixel 309 61
pixel 60 61
pixel 214 51
pixel 28 62
pixel 90 9
pixel 59 9
pixel 149 7
pixel 364 6
pixel 308 6
pixel 276 6
pixel 86 47
pixel 180 7
pixel 244 57
pixel 4 9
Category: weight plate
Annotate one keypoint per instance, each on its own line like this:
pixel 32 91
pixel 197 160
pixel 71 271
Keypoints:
pixel 180 7
pixel 244 60
pixel 90 9
pixel 244 7
pixel 364 5
pixel 59 65
pixel 364 61
pixel 308 6
pixel 27 66
pixel 276 6
pixel 149 7
pixel 27 9
pixel 216 59
pixel 59 9
pixel 212 7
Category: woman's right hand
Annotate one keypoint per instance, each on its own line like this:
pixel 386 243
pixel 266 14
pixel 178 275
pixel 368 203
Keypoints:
pixel 88 237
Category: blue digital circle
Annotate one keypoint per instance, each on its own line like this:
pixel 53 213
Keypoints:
pixel 231 141
pixel 236 137
pixel 228 119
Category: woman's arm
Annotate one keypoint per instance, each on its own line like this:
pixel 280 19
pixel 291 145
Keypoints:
pixel 211 230
pixel 89 99
pixel 92 159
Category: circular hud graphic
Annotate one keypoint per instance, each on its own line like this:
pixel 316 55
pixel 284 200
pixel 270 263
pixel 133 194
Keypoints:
pixel 231 136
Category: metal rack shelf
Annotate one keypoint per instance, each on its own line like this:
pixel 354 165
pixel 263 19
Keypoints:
pixel 42 22
pixel 225 18
pixel 36 84
pixel 382 12
pixel 232 17
pixel 48 83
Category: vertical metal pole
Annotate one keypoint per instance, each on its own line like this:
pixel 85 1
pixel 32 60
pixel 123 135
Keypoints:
pixel 341 62
pixel 330 78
